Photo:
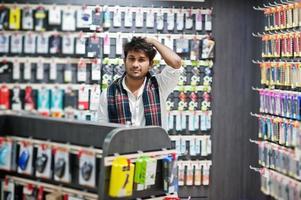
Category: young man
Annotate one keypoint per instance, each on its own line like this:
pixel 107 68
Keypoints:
pixel 137 97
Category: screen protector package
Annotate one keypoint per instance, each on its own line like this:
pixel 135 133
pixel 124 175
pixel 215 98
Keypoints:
pixel 25 158
pixel 15 18
pixel 68 20
pixel 16 43
pixel 4 15
pixel 87 171
pixel 40 17
pixel 7 190
pixel 6 153
pixel 83 17
pixel 27 18
pixel 43 161
pixel 62 165
pixel 54 15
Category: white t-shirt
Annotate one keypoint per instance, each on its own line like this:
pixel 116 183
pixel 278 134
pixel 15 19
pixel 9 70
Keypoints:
pixel 167 81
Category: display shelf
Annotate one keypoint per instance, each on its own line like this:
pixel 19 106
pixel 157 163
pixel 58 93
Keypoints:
pixel 108 137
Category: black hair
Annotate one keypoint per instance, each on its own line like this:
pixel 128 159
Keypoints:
pixel 139 44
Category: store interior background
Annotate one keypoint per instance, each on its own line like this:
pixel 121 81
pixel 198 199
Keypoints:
pixel 233 99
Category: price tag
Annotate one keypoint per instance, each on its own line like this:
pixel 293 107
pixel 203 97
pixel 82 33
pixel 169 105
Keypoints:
pixel 53 71
pixel 16 70
pixel 40 70
pixel 81 71
pixel 27 70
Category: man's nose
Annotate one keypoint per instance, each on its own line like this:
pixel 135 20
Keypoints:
pixel 135 63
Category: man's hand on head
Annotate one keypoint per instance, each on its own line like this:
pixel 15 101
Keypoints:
pixel 151 40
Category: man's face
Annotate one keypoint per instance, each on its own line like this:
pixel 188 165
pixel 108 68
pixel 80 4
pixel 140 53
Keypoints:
pixel 137 64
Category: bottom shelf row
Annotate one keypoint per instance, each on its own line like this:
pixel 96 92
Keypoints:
pixel 279 186
pixel 16 188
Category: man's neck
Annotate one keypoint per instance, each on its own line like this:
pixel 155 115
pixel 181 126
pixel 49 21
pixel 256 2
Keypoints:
pixel 133 84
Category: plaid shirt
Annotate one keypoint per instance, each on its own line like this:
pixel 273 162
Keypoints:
pixel 118 102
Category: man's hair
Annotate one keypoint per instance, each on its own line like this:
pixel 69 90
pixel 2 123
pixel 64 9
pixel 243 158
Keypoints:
pixel 139 44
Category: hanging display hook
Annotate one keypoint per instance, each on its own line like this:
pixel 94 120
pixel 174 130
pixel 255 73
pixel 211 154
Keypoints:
pixel 256 88
pixel 256 61
pixel 258 8
pixel 274 4
pixel 256 169
pixel 254 115
pixel 257 34
pixel 253 141
pixel 286 2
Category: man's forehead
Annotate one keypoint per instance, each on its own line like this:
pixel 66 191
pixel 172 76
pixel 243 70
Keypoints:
pixel 138 53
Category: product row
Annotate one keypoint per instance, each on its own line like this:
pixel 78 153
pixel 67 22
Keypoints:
pixel 279 186
pixel 126 176
pixel 188 122
pixel 283 16
pixel 54 45
pixel 286 74
pixel 287 45
pixel 194 173
pixel 192 145
pixel 282 131
pixel 95 18
pixel 20 189
pixel 85 71
pixel 48 101
pixel 280 159
pixel 280 102
pixel 55 70
pixel 81 45
pixel 61 163
pixel 188 101
pixel 47 161
pixel 82 72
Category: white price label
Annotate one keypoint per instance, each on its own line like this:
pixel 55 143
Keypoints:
pixel 40 71
pixel 53 71
pixel 27 71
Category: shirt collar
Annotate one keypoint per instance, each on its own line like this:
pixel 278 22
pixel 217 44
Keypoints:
pixel 129 91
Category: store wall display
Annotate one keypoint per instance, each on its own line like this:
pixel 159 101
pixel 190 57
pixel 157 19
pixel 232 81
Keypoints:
pixel 50 39
pixel 57 59
pixel 279 124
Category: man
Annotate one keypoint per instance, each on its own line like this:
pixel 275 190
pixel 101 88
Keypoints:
pixel 137 97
